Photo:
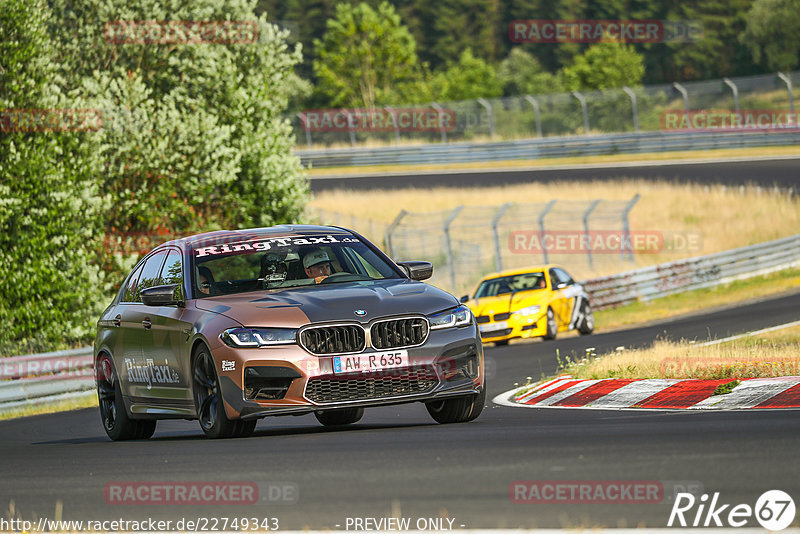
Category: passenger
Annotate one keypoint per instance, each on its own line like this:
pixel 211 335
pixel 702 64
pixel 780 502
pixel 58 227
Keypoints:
pixel 204 280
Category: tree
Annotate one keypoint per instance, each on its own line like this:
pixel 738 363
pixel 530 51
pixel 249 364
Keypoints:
pixel 604 66
pixel 194 136
pixel 521 74
pixel 49 291
pixel 771 34
pixel 366 58
pixel 469 78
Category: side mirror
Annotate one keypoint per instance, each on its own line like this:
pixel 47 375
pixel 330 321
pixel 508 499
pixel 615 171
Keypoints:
pixel 417 270
pixel 562 285
pixel 464 299
pixel 161 296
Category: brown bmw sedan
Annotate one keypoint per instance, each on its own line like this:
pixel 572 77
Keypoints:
pixel 232 326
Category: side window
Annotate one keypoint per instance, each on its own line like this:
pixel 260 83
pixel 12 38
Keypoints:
pixel 172 272
pixel 129 295
pixel 150 273
pixel 564 277
pixel 554 280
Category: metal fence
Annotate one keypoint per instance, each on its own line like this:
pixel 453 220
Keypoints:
pixel 550 147
pixel 41 379
pixel 695 273
pixel 468 242
pixel 639 109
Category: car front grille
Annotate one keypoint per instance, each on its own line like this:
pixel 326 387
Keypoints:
pixel 483 319
pixel 502 316
pixel 336 339
pixel 496 333
pixel 396 333
pixel 359 387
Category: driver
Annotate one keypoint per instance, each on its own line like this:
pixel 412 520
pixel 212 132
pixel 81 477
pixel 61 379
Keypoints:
pixel 317 265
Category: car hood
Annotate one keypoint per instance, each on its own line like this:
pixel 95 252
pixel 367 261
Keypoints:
pixel 294 307
pixel 507 303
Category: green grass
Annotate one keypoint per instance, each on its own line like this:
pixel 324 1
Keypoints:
pixel 727 387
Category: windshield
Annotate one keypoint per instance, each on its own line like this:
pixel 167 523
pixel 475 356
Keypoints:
pixel 511 284
pixel 283 262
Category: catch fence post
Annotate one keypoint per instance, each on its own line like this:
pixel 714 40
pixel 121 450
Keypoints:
pixel 498 259
pixel 588 242
pixel 542 215
pixel 449 245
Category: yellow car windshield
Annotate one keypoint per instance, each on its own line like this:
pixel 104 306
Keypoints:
pixel 511 284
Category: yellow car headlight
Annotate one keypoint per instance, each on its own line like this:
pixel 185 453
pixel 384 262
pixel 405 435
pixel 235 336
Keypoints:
pixel 529 310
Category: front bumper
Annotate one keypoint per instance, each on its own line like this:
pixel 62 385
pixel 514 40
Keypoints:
pixel 449 363
pixel 522 326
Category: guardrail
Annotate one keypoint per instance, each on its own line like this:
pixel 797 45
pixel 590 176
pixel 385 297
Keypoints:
pixel 46 378
pixel 694 273
pixel 54 376
pixel 549 147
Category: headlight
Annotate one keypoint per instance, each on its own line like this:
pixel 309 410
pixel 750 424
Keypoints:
pixel 530 310
pixel 258 337
pixel 456 317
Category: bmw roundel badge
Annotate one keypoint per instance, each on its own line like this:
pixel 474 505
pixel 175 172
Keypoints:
pixel 360 313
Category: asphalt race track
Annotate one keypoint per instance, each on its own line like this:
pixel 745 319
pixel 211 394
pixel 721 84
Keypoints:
pixel 783 172
pixel 396 461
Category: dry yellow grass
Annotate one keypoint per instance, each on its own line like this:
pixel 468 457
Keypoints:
pixel 769 354
pixel 88 401
pixel 724 217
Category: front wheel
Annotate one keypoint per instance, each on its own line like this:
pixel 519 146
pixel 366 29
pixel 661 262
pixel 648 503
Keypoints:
pixel 116 422
pixel 587 323
pixel 552 327
pixel 458 409
pixel 344 416
pixel 208 401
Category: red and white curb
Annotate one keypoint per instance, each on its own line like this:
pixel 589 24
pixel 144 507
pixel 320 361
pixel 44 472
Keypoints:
pixel 655 394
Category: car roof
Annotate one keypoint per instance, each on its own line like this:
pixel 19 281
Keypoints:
pixel 212 238
pixel 512 272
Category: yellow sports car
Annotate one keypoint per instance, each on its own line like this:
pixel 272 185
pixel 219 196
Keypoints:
pixel 533 302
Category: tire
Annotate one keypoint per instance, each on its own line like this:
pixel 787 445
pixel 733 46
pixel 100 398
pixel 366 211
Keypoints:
pixel 501 343
pixel 552 326
pixel 458 409
pixel 343 416
pixel 208 401
pixel 116 422
pixel 587 324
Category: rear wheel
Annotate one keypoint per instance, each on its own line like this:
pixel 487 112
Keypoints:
pixel 116 422
pixel 552 327
pixel 344 416
pixel 208 401
pixel 587 323
pixel 458 409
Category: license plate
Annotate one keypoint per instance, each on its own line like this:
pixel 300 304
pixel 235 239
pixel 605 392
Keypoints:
pixel 376 361
pixel 491 327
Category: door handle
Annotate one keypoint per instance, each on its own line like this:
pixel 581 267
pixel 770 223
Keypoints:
pixel 147 323
pixel 117 320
